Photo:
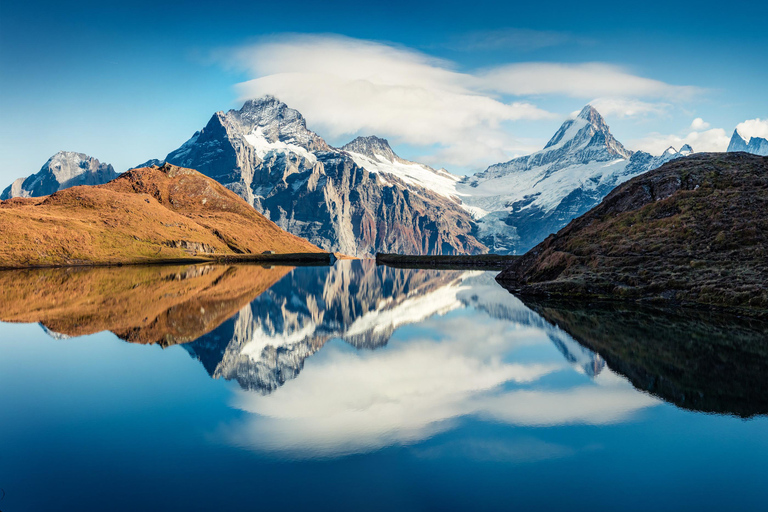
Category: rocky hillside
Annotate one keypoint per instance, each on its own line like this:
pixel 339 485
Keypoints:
pixel 144 215
pixel 265 153
pixel 694 230
pixel 63 170
pixel 517 204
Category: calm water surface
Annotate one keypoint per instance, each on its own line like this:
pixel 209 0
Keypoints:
pixel 359 387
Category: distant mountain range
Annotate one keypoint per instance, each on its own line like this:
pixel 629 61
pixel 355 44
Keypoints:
pixel 519 203
pixel 363 198
pixel 754 145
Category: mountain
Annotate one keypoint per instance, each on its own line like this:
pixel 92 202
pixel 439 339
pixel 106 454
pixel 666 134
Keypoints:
pixel 63 170
pixel 754 145
pixel 519 203
pixel 143 215
pixel 265 153
pixel 692 231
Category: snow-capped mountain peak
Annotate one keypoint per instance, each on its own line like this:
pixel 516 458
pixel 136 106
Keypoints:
pixel 63 170
pixel 669 151
pixel 272 121
pixel 686 150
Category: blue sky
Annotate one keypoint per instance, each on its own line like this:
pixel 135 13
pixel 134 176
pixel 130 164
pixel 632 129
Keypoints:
pixel 457 84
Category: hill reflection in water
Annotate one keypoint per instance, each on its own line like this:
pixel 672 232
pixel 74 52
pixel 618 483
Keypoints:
pixel 406 353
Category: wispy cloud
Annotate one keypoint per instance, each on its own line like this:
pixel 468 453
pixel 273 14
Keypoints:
pixel 347 87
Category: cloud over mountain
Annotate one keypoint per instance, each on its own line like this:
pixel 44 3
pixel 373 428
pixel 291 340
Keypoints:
pixel 348 87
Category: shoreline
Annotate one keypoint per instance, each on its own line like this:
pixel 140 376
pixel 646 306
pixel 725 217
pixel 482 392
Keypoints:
pixel 447 262
pixel 290 259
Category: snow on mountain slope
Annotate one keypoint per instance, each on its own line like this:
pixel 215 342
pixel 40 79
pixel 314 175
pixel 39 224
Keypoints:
pixel 519 203
pixel 375 154
pixel 265 153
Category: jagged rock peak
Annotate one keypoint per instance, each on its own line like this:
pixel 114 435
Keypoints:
pixel 686 150
pixel 372 147
pixel 738 142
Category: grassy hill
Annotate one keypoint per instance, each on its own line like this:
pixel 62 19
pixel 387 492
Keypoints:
pixel 145 215
pixel 694 230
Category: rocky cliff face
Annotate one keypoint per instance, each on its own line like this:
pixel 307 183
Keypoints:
pixel 519 203
pixel 63 170
pixel 265 153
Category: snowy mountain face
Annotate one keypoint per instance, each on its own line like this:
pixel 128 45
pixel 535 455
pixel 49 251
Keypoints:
pixel 265 153
pixel 267 342
pixel 519 203
pixel 754 145
pixel 63 170
pixel 375 154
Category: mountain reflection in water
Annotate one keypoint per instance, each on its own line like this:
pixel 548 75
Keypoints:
pixel 405 353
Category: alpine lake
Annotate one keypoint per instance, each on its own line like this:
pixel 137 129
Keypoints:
pixel 364 387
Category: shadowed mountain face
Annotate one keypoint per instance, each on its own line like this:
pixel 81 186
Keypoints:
pixel 159 304
pixel 695 360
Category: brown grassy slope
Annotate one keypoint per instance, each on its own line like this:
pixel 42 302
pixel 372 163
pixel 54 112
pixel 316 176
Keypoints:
pixel 694 230
pixel 143 215
pixel 154 304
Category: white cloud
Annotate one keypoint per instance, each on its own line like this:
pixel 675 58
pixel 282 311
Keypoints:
pixel 358 401
pixel 347 87
pixel 714 139
pixel 585 80
pixel 699 124
pixel 753 128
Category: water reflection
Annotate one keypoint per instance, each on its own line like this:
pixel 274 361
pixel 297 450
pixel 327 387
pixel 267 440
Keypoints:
pixel 406 353
pixel 698 360
pixel 151 304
